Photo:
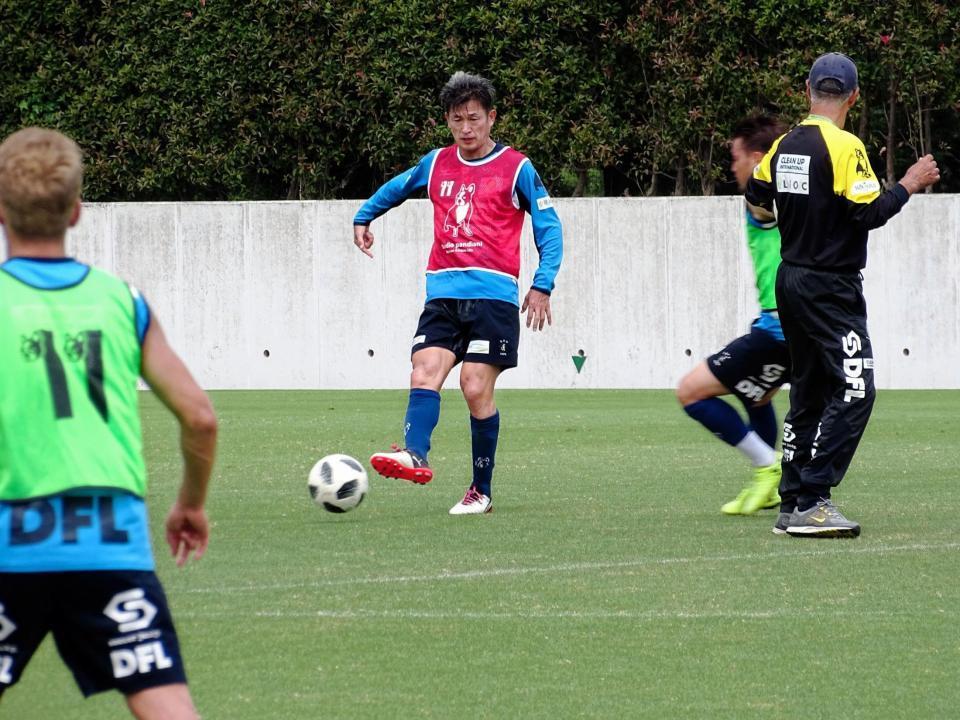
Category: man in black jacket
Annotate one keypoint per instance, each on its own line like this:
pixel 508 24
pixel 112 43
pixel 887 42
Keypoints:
pixel 827 198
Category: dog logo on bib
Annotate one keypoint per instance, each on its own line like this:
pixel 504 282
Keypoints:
pixel 459 215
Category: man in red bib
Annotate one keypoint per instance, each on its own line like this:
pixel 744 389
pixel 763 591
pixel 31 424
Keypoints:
pixel 480 191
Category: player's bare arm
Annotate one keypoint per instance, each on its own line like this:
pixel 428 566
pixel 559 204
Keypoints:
pixel 537 307
pixel 363 239
pixel 187 527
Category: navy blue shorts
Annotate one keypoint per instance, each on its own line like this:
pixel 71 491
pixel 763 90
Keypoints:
pixel 480 331
pixel 112 628
pixel 752 365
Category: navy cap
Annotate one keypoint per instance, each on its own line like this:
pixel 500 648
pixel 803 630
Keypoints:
pixel 833 73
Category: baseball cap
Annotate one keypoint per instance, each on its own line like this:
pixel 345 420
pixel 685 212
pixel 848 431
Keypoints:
pixel 833 73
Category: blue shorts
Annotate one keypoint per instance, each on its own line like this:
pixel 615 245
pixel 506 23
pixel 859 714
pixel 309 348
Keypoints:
pixel 752 365
pixel 480 331
pixel 112 628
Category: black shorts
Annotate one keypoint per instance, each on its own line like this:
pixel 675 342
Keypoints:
pixel 752 365
pixel 480 331
pixel 112 628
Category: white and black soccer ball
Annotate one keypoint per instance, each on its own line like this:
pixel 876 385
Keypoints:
pixel 337 483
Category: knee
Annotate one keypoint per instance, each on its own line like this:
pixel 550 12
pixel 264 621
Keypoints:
pixel 478 392
pixel 426 375
pixel 686 391
pixel 474 389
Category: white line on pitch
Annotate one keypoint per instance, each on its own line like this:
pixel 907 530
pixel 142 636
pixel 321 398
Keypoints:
pixel 578 567
pixel 645 615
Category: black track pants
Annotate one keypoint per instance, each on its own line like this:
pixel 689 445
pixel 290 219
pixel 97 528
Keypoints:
pixel 824 319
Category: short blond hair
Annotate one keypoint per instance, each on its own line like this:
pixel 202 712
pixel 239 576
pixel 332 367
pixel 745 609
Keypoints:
pixel 41 172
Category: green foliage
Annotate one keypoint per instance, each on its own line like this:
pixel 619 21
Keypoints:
pixel 208 99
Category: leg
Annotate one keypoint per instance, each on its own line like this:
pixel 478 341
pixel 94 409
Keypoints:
pixel 698 394
pixel 806 406
pixel 477 382
pixel 436 349
pixel 763 419
pixel 135 650
pixel 430 369
pixel 493 331
pixel 738 369
pixel 167 702
pixel 25 620
pixel 826 331
pixel 847 354
pixel 742 368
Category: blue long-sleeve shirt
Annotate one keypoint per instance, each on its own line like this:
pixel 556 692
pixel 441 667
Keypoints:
pixel 530 195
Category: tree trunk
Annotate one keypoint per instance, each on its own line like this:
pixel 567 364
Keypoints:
pixel 864 118
pixel 891 132
pixel 706 170
pixel 928 139
pixel 581 185
pixel 653 188
pixel 681 185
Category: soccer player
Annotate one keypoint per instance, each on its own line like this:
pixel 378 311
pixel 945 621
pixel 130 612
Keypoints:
pixel 754 366
pixel 75 556
pixel 827 199
pixel 480 190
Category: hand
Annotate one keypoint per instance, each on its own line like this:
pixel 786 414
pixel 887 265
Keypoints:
pixel 923 173
pixel 187 531
pixel 363 239
pixel 537 306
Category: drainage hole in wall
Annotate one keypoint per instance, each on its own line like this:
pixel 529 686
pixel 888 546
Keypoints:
pixel 688 352
pixel 266 353
pixel 906 351
pixel 370 353
pixel 581 353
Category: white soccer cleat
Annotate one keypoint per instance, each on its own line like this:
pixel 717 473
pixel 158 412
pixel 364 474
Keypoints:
pixel 473 503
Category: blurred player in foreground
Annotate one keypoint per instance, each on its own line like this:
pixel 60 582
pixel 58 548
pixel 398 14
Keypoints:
pixel 754 366
pixel 75 555
pixel 480 191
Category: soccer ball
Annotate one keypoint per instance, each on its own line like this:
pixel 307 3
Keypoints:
pixel 337 483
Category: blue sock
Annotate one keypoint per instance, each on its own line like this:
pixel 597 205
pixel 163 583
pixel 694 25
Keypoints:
pixel 719 418
pixel 485 434
pixel 763 421
pixel 423 413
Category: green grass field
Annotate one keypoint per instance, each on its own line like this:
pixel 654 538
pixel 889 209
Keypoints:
pixel 606 584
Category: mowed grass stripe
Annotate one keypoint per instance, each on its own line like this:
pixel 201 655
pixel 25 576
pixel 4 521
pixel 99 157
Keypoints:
pixel 834 551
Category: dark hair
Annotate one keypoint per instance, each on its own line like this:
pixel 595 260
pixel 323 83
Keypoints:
pixel 758 132
pixel 463 87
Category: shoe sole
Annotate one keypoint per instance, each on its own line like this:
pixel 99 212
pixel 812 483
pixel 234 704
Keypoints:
pixel 778 531
pixel 485 512
pixel 809 531
pixel 387 467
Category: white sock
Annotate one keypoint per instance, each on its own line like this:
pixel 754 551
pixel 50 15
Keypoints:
pixel 757 450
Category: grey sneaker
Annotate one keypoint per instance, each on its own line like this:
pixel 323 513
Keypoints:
pixel 822 520
pixel 783 520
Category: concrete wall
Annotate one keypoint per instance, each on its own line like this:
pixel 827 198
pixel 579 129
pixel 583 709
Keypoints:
pixel 274 295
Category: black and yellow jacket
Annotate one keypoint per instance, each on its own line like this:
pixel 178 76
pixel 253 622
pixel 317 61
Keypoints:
pixel 826 194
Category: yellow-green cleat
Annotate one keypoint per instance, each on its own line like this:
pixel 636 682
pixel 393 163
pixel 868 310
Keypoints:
pixel 734 506
pixel 760 494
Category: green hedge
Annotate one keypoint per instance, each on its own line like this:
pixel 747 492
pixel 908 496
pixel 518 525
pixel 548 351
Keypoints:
pixel 178 100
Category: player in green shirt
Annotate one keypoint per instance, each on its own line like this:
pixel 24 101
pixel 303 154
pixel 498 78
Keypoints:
pixel 75 555
pixel 752 367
